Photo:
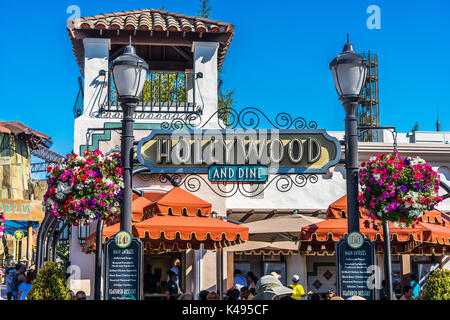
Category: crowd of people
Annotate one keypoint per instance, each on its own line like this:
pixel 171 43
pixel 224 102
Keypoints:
pixel 269 287
pixel 18 282
pixel 410 291
pixel 247 287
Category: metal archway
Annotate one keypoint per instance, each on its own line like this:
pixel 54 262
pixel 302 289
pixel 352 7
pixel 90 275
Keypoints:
pixel 51 231
pixel 61 229
pixel 47 240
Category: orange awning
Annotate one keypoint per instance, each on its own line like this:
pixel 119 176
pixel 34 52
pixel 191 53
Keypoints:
pixel 162 233
pixel 179 202
pixel 338 209
pixel 177 228
pixel 431 235
pixel 138 206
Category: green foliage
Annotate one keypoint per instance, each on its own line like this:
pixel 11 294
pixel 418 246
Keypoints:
pixel 225 99
pixel 205 9
pixel 50 284
pixel 416 127
pixel 62 254
pixel 438 286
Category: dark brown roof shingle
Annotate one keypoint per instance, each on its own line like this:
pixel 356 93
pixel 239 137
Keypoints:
pixel 33 137
pixel 151 20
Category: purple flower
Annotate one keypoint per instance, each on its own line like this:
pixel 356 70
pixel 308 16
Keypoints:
pixel 404 189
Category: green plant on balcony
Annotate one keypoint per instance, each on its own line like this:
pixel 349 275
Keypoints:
pixel 164 87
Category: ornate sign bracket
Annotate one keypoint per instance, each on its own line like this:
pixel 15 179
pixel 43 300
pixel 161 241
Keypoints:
pixel 245 119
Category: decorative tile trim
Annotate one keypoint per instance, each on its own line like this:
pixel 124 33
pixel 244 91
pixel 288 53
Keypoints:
pixel 106 135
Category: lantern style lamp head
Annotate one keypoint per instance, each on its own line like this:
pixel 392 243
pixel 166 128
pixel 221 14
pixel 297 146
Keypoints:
pixel 64 234
pixel 349 73
pixel 129 73
pixel 83 233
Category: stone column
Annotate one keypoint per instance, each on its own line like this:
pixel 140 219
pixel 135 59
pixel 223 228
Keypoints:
pixel 406 269
pixel 230 270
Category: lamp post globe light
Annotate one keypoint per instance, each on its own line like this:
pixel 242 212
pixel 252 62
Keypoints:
pixel 349 75
pixel 129 72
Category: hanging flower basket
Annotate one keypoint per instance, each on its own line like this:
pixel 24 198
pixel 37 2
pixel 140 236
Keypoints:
pixel 83 189
pixel 397 189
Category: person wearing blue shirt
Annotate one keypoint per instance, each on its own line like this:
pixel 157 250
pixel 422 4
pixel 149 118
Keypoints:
pixel 239 281
pixel 415 286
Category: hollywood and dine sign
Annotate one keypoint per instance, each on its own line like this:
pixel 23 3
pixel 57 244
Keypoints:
pixel 239 155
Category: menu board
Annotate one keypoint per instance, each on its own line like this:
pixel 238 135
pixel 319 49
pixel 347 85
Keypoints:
pixel 353 270
pixel 123 271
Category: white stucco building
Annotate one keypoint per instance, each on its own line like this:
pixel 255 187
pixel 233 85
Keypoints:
pixel 190 51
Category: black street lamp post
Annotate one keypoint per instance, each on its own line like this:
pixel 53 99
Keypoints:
pixel 129 73
pixel 349 74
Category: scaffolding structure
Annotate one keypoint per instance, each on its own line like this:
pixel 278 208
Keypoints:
pixel 368 108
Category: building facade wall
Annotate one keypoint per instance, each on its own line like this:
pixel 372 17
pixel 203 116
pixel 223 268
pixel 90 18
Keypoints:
pixel 310 197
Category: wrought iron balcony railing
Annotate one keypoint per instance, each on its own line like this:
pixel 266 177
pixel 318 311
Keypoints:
pixel 163 93
pixel 78 105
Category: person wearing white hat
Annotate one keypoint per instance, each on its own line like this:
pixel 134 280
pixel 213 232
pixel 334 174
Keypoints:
pixel 299 292
pixel 270 288
pixel 275 275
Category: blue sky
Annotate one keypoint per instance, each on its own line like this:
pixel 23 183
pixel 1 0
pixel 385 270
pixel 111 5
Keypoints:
pixel 278 60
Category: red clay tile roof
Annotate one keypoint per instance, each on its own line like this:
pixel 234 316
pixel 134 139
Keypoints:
pixel 152 20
